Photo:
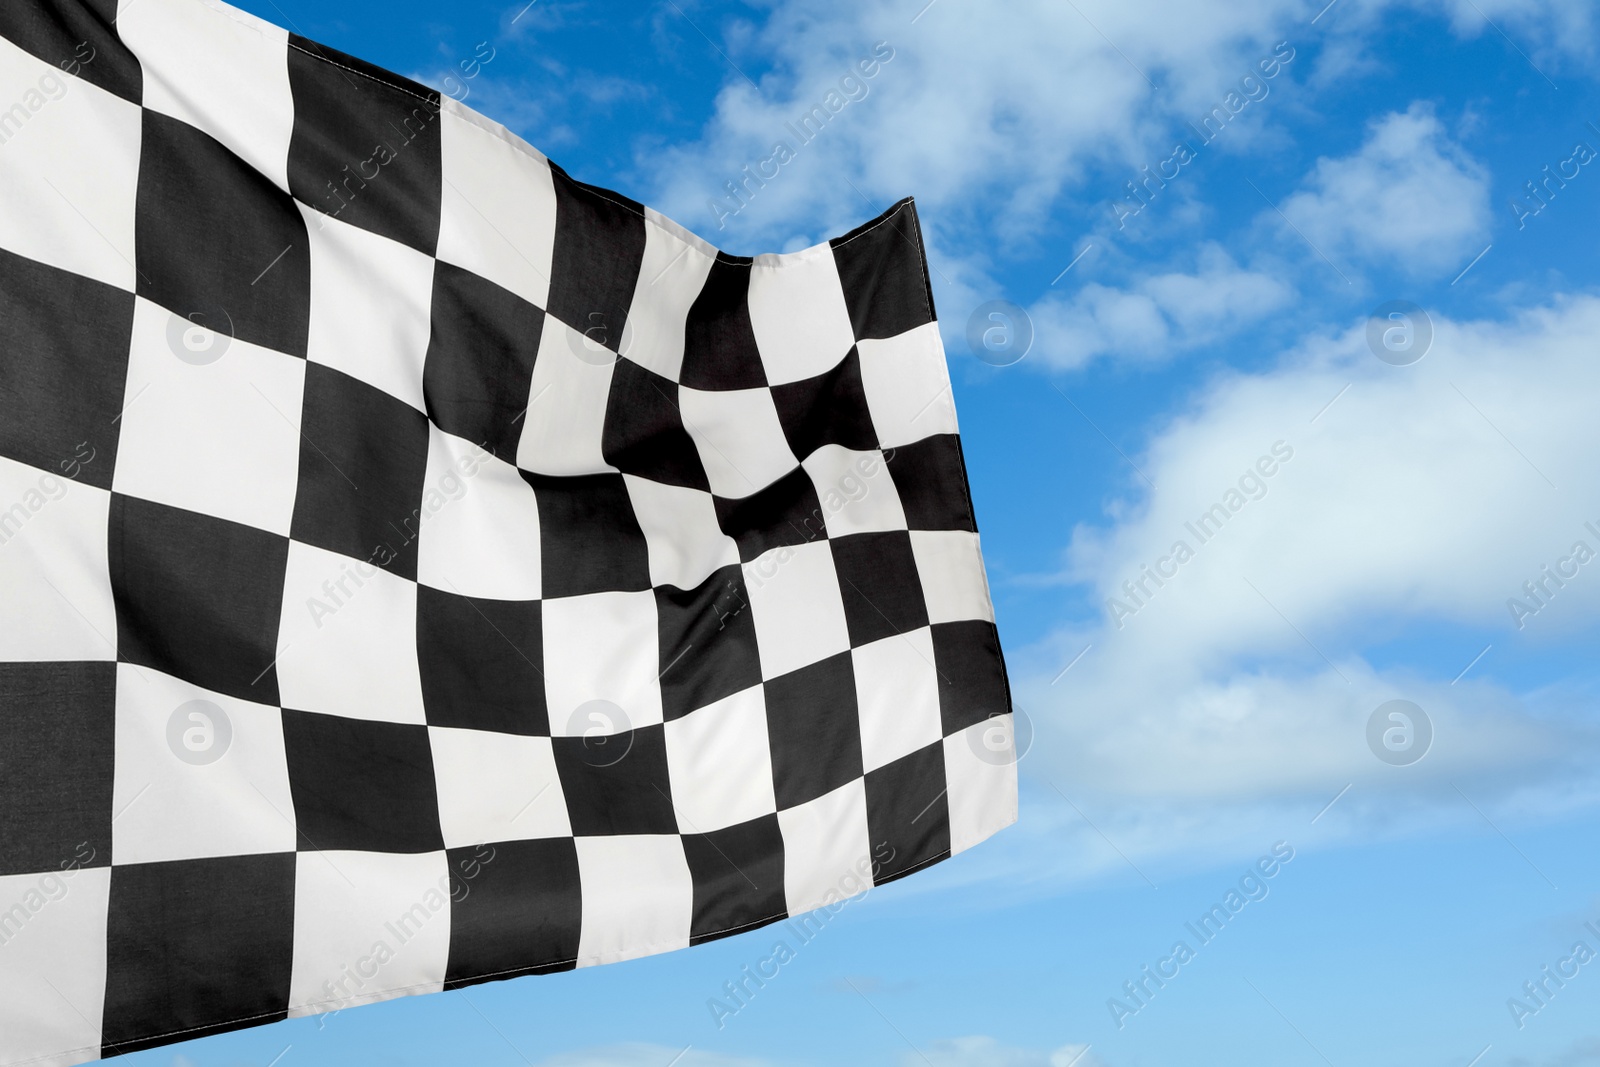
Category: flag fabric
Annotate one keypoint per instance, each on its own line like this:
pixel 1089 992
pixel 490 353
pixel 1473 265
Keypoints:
pixel 420 567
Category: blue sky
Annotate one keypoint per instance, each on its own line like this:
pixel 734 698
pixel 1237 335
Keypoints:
pixel 1210 718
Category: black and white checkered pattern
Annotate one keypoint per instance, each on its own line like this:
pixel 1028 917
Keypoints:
pixel 555 589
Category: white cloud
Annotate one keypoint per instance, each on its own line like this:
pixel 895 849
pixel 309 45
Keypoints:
pixel 1210 721
pixel 1544 38
pixel 983 1051
pixel 1554 33
pixel 1423 491
pixel 976 1051
pixel 1410 198
pixel 1158 316
pixel 992 121
pixel 987 118
pixel 997 125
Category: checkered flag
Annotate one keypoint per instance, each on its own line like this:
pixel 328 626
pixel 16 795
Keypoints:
pixel 422 568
